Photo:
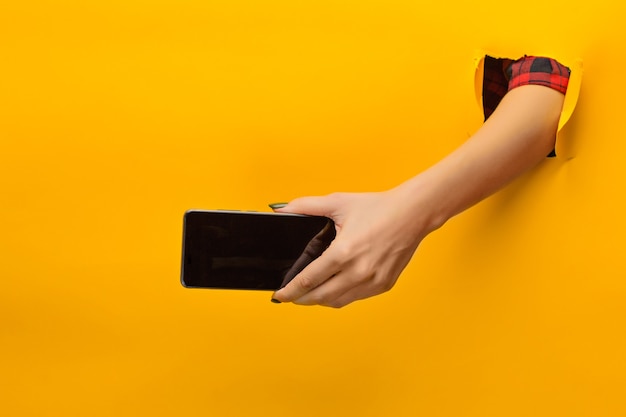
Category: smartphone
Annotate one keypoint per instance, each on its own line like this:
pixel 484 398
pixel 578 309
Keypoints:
pixel 250 250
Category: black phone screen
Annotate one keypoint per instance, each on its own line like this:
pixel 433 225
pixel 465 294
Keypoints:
pixel 250 250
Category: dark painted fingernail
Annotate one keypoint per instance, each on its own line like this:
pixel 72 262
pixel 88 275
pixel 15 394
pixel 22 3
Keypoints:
pixel 275 301
pixel 275 206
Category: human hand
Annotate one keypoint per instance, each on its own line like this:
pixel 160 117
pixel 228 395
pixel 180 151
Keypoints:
pixel 376 237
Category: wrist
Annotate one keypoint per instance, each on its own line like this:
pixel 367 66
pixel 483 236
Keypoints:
pixel 418 197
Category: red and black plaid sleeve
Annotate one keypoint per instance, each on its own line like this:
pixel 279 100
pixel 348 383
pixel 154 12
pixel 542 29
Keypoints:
pixel 538 71
pixel 501 75
pixel 495 83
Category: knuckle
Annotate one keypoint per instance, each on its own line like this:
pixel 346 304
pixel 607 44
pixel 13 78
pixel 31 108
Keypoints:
pixel 384 285
pixel 362 272
pixel 341 252
pixel 306 283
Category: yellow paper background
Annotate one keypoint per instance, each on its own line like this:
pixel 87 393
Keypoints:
pixel 117 116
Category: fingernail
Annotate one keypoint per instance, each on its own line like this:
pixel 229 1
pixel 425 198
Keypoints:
pixel 275 301
pixel 275 206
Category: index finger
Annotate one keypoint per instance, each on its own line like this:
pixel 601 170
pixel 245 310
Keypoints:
pixel 311 252
pixel 312 276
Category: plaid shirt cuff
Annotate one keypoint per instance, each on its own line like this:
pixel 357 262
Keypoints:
pixel 538 71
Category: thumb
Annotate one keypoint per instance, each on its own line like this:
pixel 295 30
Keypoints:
pixel 313 206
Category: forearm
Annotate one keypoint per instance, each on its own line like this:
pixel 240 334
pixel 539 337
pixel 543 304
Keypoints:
pixel 377 233
pixel 518 135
